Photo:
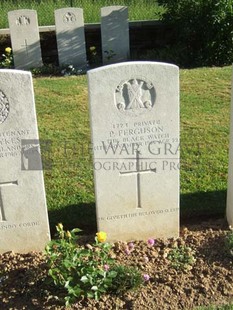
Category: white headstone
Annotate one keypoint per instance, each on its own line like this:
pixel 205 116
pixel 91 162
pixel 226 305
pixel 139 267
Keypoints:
pixel 134 111
pixel 23 213
pixel 229 210
pixel 114 34
pixel 70 37
pixel 25 39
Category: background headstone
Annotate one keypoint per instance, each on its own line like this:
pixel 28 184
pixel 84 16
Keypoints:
pixel 25 39
pixel 134 111
pixel 23 213
pixel 115 34
pixel 229 210
pixel 70 37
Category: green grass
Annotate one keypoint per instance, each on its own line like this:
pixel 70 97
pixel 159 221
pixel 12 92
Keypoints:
pixel 205 103
pixel 63 119
pixel 138 9
pixel 62 109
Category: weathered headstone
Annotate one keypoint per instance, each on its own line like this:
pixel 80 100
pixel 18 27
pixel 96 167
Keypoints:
pixel 134 111
pixel 25 39
pixel 70 37
pixel 229 210
pixel 114 34
pixel 23 213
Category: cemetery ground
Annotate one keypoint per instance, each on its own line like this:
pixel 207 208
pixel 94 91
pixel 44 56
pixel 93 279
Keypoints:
pixel 62 111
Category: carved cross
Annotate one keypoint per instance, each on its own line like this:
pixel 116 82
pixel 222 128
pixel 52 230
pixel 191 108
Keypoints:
pixel 2 212
pixel 138 174
pixel 25 45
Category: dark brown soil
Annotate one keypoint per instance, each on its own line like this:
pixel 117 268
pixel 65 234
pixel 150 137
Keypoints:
pixel 208 282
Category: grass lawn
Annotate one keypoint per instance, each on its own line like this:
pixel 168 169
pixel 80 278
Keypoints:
pixel 62 109
pixel 205 118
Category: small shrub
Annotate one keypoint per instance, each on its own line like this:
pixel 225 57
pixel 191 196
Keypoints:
pixel 87 271
pixel 204 29
pixel 7 62
pixel 46 70
pixel 57 71
pixel 71 70
pixel 181 257
pixel 94 57
pixel 127 278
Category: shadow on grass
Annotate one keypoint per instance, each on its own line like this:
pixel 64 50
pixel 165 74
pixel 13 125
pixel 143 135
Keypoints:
pixel 194 208
pixel 82 215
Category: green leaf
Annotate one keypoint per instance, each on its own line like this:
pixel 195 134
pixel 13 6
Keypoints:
pixel 84 279
pixel 67 284
pixel 112 274
pixel 76 230
pixel 90 295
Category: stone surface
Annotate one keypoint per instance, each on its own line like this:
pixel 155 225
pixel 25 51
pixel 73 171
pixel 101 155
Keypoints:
pixel 134 111
pixel 114 34
pixel 23 213
pixel 25 39
pixel 229 210
pixel 70 37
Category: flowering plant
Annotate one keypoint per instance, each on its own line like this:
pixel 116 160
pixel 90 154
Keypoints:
pixel 101 236
pixel 8 61
pixel 71 70
pixel 88 270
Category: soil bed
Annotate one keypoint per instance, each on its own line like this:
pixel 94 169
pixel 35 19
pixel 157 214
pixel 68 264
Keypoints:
pixel 209 281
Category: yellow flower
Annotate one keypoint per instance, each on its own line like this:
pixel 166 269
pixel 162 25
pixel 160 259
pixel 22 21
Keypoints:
pixel 92 48
pixel 8 50
pixel 101 236
pixel 68 234
pixel 59 226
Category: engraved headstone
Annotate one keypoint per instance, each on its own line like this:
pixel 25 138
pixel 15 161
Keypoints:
pixel 70 37
pixel 25 39
pixel 23 213
pixel 134 111
pixel 229 209
pixel 114 34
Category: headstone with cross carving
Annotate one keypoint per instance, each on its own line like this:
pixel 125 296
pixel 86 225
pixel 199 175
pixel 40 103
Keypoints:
pixel 25 39
pixel 115 34
pixel 134 111
pixel 70 37
pixel 23 213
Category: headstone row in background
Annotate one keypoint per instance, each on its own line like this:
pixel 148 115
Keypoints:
pixel 25 39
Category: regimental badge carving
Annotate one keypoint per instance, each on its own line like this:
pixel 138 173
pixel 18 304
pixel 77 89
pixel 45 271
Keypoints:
pixel 4 107
pixel 23 21
pixel 69 18
pixel 135 96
